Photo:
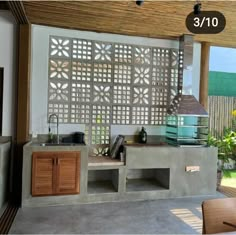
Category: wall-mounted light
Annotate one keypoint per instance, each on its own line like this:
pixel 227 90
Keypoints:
pixel 139 2
pixel 197 8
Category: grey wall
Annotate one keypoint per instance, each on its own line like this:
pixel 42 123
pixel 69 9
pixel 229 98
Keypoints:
pixel 8 59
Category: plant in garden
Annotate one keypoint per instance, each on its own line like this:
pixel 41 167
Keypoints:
pixel 226 143
pixel 234 120
pixel 227 146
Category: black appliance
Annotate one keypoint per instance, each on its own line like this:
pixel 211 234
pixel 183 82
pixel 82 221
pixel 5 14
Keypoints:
pixel 78 138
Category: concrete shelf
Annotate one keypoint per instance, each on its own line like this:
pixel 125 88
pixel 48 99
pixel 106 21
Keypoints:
pixel 143 185
pixel 147 179
pixel 102 181
pixel 105 186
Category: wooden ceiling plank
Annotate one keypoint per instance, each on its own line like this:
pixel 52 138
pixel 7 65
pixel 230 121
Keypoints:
pixel 18 11
pixel 23 14
pixel 14 11
pixel 165 19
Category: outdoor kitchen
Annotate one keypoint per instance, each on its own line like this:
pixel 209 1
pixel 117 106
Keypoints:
pixel 168 158
pixel 117 117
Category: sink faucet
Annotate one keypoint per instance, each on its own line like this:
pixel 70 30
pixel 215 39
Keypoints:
pixel 49 128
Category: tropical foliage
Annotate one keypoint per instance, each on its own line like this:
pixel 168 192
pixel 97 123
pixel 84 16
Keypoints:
pixel 226 143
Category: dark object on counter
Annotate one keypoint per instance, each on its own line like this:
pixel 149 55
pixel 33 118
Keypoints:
pixel 114 153
pixel 143 136
pixel 78 137
pixel 67 139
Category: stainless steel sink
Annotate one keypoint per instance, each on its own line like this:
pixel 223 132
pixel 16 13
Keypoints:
pixel 56 144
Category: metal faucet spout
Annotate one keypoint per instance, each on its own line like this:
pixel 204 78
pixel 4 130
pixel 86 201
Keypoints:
pixel 49 122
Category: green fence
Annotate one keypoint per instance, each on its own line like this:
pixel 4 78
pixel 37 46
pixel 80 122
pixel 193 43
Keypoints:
pixel 222 84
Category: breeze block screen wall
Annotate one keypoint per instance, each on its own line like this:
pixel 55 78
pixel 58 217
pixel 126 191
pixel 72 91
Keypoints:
pixel 103 83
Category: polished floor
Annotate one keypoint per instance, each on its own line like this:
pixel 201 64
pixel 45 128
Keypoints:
pixel 164 216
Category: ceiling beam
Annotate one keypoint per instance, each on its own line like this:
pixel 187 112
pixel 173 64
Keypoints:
pixel 3 5
pixel 18 11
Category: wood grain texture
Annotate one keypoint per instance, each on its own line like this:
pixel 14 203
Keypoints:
pixel 23 105
pixel 227 191
pixel 18 11
pixel 220 109
pixel 156 19
pixel 55 173
pixel 43 177
pixel 68 173
pixel 203 91
pixel 215 212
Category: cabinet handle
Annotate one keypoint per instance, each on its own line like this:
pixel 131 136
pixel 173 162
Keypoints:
pixel 57 161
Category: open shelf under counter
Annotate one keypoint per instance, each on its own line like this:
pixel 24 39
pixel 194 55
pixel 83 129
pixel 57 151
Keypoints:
pixel 97 187
pixel 103 181
pixel 137 185
pixel 96 162
pixel 147 179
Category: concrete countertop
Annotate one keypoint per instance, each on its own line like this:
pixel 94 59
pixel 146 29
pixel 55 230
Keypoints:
pixel 36 146
pixel 147 145
pixel 104 161
pixel 5 139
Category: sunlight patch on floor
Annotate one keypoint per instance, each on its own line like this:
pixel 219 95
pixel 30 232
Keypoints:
pixel 229 182
pixel 189 218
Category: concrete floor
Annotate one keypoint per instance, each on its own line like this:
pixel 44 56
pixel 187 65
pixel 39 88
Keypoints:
pixel 164 216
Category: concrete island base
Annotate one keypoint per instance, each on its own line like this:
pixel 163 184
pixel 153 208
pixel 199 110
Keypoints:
pixel 149 172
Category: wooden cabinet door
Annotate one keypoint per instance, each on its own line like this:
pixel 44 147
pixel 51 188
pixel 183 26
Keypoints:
pixel 68 173
pixel 43 173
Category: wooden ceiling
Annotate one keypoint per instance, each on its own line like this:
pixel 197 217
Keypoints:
pixel 156 19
